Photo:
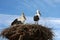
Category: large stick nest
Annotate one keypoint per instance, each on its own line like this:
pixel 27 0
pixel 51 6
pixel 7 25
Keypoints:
pixel 27 32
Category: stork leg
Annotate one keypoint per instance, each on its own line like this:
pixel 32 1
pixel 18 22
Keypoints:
pixel 36 22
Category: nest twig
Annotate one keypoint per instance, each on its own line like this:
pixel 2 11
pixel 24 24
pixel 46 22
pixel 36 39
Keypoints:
pixel 28 32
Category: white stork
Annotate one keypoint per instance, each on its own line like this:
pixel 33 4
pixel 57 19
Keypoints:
pixel 37 16
pixel 19 20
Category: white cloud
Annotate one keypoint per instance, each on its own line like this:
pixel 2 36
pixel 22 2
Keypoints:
pixel 7 19
pixel 57 34
pixel 55 21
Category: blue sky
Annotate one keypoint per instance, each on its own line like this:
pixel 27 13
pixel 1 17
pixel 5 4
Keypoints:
pixel 50 10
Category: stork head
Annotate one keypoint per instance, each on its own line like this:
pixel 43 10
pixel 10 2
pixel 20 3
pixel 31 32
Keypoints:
pixel 22 18
pixel 38 12
pixel 22 14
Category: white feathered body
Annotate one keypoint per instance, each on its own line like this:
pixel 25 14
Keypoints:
pixel 19 20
